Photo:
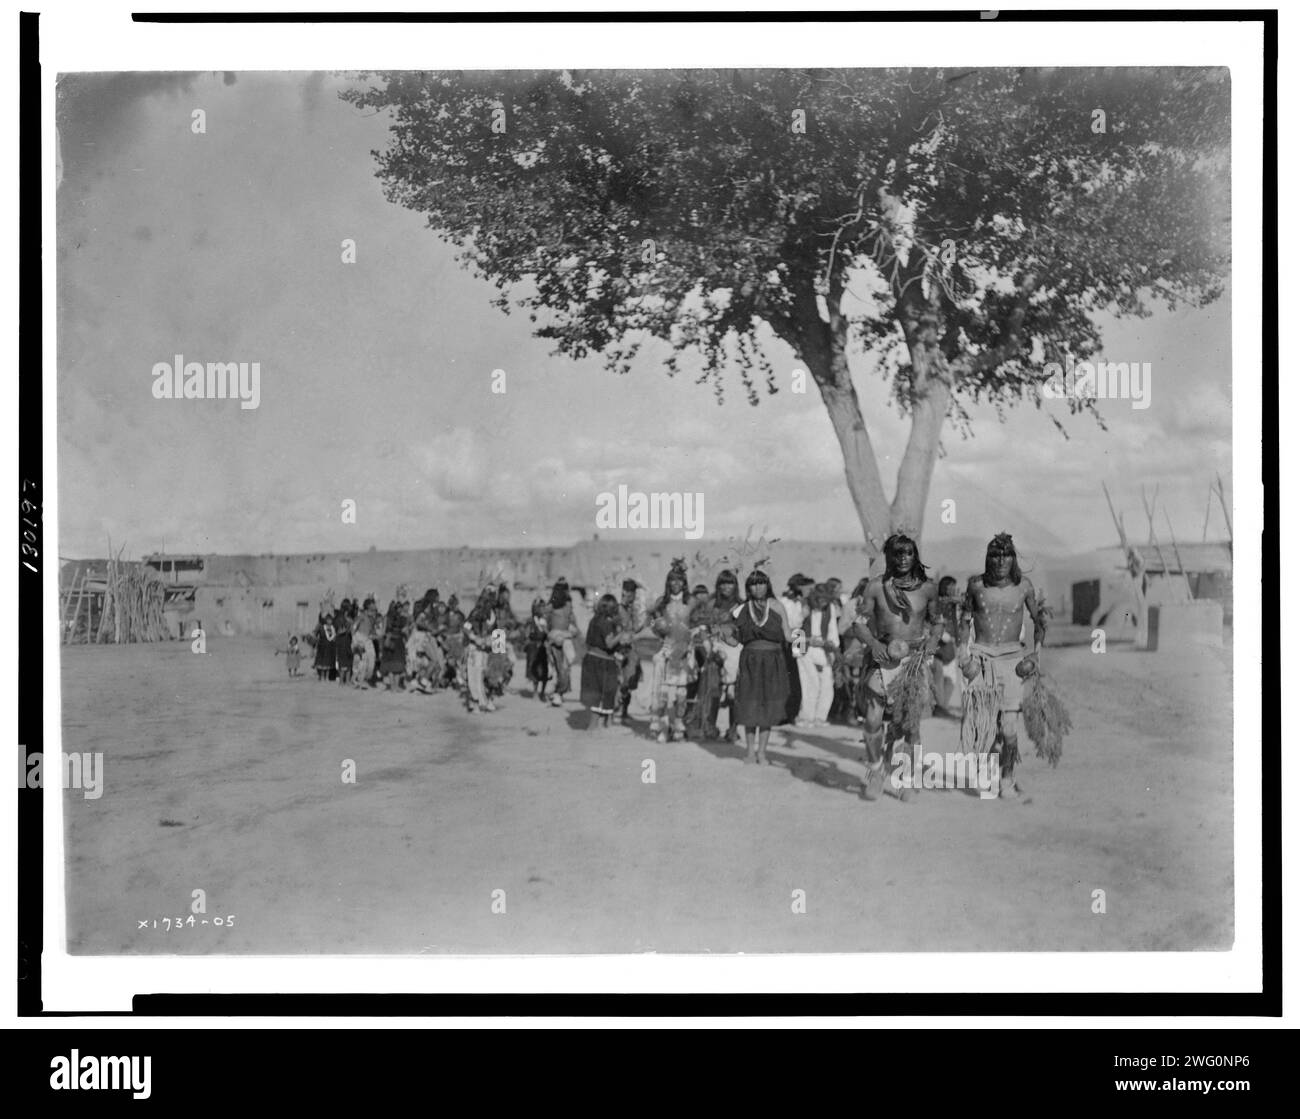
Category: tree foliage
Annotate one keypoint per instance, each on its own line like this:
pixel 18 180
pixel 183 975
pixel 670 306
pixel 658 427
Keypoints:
pixel 961 227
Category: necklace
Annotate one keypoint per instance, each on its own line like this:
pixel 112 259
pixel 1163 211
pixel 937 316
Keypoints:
pixel 767 609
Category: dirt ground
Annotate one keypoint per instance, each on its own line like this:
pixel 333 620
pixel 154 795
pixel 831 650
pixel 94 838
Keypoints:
pixel 222 774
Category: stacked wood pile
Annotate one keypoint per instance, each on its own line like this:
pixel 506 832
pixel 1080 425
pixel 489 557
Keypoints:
pixel 119 602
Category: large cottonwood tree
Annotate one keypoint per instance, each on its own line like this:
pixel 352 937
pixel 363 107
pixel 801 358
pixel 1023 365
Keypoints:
pixel 960 228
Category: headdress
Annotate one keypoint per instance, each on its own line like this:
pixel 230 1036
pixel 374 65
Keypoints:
pixel 677 570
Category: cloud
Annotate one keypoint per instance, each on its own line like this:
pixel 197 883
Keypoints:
pixel 456 464
pixel 1203 411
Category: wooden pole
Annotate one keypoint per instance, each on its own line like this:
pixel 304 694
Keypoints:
pixel 1135 577
pixel 1119 524
pixel 1174 541
pixel 1223 501
pixel 85 595
pixel 73 592
pixel 1151 527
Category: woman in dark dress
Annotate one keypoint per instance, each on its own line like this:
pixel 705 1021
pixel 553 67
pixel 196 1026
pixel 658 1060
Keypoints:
pixel 325 664
pixel 536 657
pixel 343 641
pixel 763 682
pixel 393 665
pixel 601 671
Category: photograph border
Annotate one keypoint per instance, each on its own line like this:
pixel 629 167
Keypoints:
pixel 36 879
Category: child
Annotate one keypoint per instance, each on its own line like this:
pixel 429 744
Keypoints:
pixel 292 655
pixel 536 658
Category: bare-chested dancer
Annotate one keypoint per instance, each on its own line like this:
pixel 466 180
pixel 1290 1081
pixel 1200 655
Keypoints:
pixel 996 603
pixel 898 612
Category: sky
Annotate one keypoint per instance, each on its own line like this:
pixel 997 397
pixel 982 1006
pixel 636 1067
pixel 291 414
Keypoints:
pixel 376 376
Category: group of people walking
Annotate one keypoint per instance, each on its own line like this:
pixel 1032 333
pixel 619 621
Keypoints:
pixel 795 659
pixel 425 646
pixel 800 658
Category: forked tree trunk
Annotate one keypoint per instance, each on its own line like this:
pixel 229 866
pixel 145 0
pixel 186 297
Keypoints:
pixel 922 452
pixel 860 466
pixel 822 345
pixel 823 348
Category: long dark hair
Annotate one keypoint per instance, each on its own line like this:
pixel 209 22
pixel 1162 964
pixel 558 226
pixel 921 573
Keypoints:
pixel 726 576
pixel 560 594
pixel 1001 544
pixel 756 576
pixel 676 571
pixel 607 606
pixel 487 598
pixel 918 570
pixel 484 610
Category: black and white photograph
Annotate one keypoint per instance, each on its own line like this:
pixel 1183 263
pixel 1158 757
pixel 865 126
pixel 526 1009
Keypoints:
pixel 606 510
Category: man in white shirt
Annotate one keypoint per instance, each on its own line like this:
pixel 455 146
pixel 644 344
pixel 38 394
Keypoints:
pixel 820 628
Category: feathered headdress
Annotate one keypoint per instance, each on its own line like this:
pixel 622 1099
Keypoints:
pixel 677 570
pixel 614 575
pixel 496 574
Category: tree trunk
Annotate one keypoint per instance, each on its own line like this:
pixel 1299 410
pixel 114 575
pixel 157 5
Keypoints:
pixel 822 345
pixel 860 468
pixel 921 319
pixel 917 467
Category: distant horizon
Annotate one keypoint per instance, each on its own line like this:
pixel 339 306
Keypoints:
pixel 667 541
